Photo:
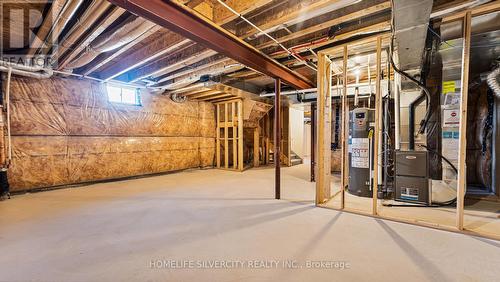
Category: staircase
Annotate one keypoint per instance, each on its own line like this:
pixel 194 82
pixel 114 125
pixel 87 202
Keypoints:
pixel 295 159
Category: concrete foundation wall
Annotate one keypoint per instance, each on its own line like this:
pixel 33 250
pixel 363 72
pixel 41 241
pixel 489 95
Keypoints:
pixel 64 131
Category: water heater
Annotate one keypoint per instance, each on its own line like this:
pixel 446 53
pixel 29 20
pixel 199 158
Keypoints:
pixel 361 122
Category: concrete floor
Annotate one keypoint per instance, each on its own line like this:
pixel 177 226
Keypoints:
pixel 480 216
pixel 114 231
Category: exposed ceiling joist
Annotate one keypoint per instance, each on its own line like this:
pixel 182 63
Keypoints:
pixel 171 73
pixel 188 56
pixel 110 16
pixel 110 56
pixel 293 13
pixel 166 43
pixel 163 45
pixel 180 19
pixel 56 8
pixel 203 94
pixel 214 97
pixel 324 25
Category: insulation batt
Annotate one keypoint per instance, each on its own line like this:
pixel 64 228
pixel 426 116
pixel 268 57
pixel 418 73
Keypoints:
pixel 65 132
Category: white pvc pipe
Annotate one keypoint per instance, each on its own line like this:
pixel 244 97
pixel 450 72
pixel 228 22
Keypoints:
pixel 7 101
pixel 397 93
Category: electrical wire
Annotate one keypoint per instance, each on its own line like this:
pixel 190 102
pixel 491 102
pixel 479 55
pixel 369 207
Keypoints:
pixel 291 53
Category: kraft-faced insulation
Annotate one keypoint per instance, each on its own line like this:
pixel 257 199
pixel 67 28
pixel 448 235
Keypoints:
pixel 65 131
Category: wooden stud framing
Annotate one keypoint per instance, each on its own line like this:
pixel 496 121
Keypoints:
pixel 256 147
pixel 344 173
pixel 462 147
pixel 324 103
pixel 240 135
pixel 233 122
pixel 217 134
pixel 378 127
pixel 267 128
pixel 322 76
pixel 313 142
pixel 226 136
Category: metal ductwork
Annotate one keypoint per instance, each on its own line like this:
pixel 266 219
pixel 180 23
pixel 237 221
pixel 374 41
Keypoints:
pixel 91 15
pixel 60 22
pixel 112 40
pixel 411 20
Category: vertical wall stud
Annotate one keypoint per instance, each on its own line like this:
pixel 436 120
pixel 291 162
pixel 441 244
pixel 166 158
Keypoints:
pixel 378 126
pixel 313 141
pixel 217 141
pixel 324 104
pixel 345 132
pixel 234 123
pixel 240 135
pixel 226 136
pixel 462 147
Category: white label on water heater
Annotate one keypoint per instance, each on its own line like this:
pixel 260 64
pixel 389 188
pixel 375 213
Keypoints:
pixel 360 157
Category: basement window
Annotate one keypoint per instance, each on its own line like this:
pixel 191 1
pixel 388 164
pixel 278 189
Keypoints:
pixel 123 95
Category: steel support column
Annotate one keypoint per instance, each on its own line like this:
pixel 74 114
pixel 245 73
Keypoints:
pixel 180 19
pixel 277 138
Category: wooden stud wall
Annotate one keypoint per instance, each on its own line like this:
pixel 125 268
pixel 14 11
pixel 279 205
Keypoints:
pixel 324 103
pixel 462 146
pixel 324 80
pixel 229 121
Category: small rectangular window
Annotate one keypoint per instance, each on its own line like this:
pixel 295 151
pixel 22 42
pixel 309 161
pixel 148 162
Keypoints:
pixel 123 95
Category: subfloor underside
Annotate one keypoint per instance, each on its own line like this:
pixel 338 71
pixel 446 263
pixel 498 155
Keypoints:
pixel 119 231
